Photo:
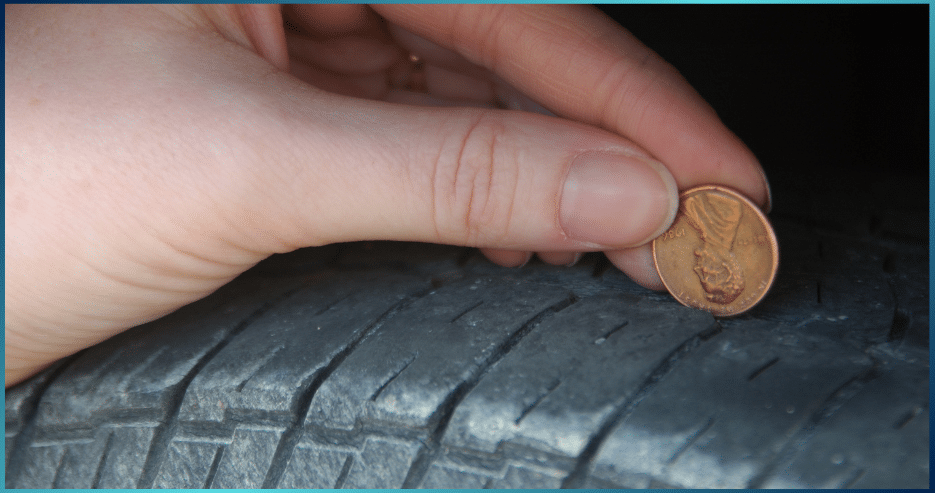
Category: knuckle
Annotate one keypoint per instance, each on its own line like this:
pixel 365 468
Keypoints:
pixel 475 184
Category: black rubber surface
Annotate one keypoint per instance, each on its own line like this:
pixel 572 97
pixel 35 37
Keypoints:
pixel 408 365
pixel 402 365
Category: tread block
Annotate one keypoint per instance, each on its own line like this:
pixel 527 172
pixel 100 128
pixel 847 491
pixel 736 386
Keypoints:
pixel 829 285
pixel 892 414
pixel 125 457
pixel 383 463
pixel 328 466
pixel 188 464
pixel 18 400
pixel 586 360
pixel 448 476
pixel 265 368
pixel 245 462
pixel 40 467
pixel 74 471
pixel 510 475
pixel 728 408
pixel 525 477
pixel 139 370
pixel 380 462
pixel 438 342
pixel 9 443
pixel 68 462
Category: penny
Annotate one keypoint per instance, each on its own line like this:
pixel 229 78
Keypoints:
pixel 720 255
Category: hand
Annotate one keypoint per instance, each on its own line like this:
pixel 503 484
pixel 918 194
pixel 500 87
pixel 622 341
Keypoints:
pixel 156 152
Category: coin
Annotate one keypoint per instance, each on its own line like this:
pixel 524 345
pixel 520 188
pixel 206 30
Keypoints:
pixel 720 255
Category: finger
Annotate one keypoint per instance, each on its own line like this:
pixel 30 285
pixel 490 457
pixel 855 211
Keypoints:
pixel 582 65
pixel 411 98
pixel 507 258
pixel 435 54
pixel 371 86
pixel 512 99
pixel 566 259
pixel 444 83
pixel 505 97
pixel 330 20
pixel 638 264
pixel 340 169
pixel 352 55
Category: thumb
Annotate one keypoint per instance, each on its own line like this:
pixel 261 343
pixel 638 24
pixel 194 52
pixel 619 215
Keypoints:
pixel 357 170
pixel 468 177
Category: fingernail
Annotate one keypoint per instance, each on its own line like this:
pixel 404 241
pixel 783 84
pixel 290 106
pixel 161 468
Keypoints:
pixel 617 200
pixel 576 259
pixel 528 258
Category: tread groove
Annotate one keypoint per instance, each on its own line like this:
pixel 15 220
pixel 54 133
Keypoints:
pixel 213 470
pixel 602 339
pixel 164 432
pixel 290 438
pixel 259 366
pixel 303 400
pixel 345 470
pixel 600 265
pixel 465 312
pixel 131 375
pixel 390 380
pixel 96 481
pixel 538 400
pixel 850 482
pixel 442 416
pixel 105 365
pixel 906 418
pixel 578 475
pixel 464 256
pixel 691 441
pixel 759 371
pixel 829 406
pixel 900 324
pixel 331 305
pixel 58 469
pixel 26 434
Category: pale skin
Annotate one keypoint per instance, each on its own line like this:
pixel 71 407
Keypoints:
pixel 153 153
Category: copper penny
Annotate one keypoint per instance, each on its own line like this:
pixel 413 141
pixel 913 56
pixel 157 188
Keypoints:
pixel 720 255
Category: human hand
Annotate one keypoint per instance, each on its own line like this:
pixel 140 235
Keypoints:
pixel 156 152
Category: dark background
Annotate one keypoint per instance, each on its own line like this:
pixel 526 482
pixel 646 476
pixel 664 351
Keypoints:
pixel 833 100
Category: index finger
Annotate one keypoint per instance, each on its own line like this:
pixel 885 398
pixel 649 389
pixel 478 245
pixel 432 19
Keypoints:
pixel 582 65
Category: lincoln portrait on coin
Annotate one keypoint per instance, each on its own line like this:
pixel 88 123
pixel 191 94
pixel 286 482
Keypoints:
pixel 716 217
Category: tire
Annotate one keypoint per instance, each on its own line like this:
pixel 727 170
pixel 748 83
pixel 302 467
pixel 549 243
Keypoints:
pixel 388 365
pixel 384 365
